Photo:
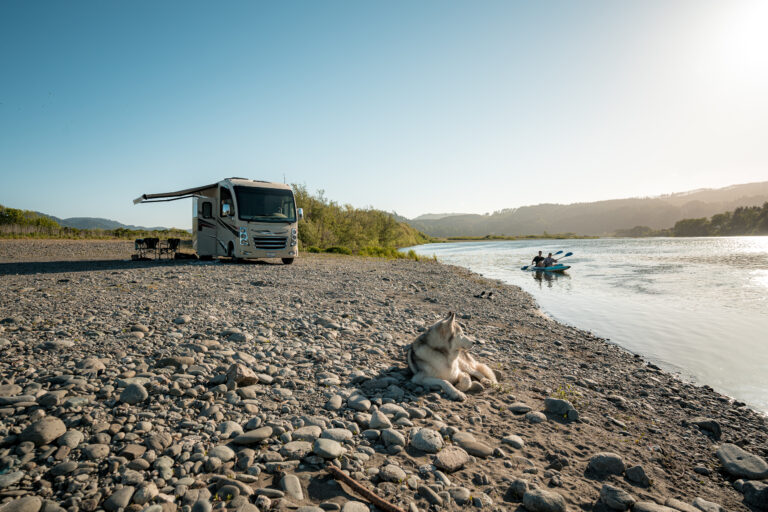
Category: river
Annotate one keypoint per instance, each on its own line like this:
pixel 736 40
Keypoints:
pixel 697 307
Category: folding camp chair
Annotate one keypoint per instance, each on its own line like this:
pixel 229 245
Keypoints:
pixel 169 248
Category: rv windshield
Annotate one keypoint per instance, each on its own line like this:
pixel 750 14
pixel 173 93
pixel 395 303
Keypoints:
pixel 265 204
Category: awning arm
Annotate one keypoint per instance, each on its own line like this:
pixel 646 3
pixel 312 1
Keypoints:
pixel 180 194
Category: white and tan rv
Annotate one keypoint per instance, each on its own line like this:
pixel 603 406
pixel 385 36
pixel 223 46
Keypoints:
pixel 240 218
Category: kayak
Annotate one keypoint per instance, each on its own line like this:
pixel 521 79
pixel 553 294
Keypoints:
pixel 554 268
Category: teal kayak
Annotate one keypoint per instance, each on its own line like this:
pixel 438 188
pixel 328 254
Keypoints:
pixel 554 268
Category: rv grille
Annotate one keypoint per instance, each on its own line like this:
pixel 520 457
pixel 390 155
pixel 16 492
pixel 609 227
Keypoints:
pixel 270 242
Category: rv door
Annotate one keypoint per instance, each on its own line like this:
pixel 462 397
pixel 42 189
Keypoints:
pixel 206 227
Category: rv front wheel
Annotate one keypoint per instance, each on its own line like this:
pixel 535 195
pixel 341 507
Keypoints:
pixel 231 252
pixel 287 261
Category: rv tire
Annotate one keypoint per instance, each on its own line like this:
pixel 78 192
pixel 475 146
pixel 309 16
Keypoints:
pixel 287 261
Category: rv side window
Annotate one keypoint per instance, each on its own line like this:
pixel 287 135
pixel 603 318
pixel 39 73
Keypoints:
pixel 207 210
pixel 225 197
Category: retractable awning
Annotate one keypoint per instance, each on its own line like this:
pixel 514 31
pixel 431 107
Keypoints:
pixel 171 196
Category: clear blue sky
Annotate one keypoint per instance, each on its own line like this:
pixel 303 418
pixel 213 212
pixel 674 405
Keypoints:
pixel 409 106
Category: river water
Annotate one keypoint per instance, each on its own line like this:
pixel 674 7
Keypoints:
pixel 694 306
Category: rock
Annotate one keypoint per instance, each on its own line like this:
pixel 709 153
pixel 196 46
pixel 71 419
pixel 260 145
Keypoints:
pixel 240 375
pixel 296 450
pixel 427 440
pixel 461 495
pixel 309 433
pixel 606 463
pixel 222 452
pixel 26 504
pixel 392 437
pixel 538 500
pixel 513 441
pixel 519 408
pixel 96 451
pixel 679 505
pixel 518 488
pixel 10 479
pixel 562 408
pixel 392 473
pixel 292 486
pixel 64 468
pixel 355 506
pixel 202 506
pixel 756 493
pixel 535 417
pixel 616 498
pixel 147 492
pixel 477 448
pixel 337 434
pixel 134 394
pixel 71 439
pixel 253 436
pixel 44 431
pixel 327 448
pixel 707 506
pixel 647 506
pixel 119 499
pixel 708 425
pixel 334 404
pixel 431 496
pixel 636 475
pixel 741 463
pixel 359 403
pixel 379 420
pixel 451 459
pixel 183 319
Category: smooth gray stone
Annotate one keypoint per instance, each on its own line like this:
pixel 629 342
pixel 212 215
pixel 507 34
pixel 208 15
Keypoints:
pixel 538 500
pixel 741 463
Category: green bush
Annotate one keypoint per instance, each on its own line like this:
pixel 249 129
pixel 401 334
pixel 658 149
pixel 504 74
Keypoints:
pixel 339 250
pixel 328 224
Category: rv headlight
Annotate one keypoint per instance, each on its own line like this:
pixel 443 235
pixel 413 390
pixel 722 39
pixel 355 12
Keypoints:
pixel 293 232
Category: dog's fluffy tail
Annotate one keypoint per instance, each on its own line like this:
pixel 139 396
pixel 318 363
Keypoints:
pixel 411 362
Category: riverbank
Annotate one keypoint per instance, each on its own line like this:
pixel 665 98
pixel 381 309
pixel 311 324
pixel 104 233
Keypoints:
pixel 155 370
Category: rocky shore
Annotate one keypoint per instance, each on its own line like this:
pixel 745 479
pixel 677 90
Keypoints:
pixel 194 386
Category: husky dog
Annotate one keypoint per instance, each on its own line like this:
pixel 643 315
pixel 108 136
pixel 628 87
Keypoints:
pixel 439 357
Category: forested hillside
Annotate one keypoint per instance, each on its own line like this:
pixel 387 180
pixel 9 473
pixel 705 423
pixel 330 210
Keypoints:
pixel 598 218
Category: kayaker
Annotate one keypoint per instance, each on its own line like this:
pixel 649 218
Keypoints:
pixel 549 260
pixel 537 259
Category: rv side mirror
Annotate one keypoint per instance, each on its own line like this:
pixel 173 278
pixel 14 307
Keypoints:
pixel 225 210
pixel 300 213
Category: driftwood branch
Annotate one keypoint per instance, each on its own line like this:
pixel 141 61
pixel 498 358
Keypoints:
pixel 362 491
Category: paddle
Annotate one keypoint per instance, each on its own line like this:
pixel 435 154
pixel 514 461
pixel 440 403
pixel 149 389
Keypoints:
pixel 526 267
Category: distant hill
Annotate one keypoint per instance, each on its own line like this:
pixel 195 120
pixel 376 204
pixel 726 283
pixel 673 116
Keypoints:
pixel 600 217
pixel 97 223
pixel 437 216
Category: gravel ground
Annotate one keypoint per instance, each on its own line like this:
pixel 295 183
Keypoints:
pixel 196 386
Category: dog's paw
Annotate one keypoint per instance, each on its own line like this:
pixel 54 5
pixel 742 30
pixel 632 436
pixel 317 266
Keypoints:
pixel 476 387
pixel 487 383
pixel 459 397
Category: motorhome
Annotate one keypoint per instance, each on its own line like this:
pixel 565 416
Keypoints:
pixel 240 218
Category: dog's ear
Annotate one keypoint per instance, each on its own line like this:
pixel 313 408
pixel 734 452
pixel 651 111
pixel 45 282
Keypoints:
pixel 451 316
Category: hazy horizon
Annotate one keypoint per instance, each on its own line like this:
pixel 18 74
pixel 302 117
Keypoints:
pixel 411 108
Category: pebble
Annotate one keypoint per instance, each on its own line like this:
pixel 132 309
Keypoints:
pixel 606 463
pixel 451 459
pixel 616 498
pixel 44 431
pixel 134 394
pixel 427 440
pixel 327 448
pixel 538 500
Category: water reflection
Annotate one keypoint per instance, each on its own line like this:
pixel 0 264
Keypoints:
pixel 549 278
